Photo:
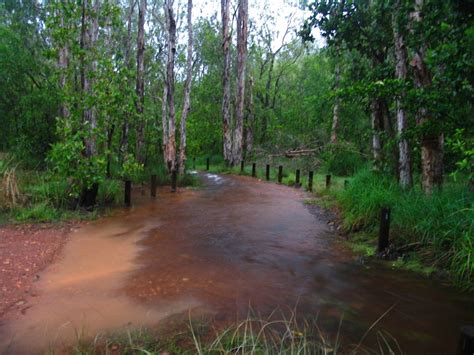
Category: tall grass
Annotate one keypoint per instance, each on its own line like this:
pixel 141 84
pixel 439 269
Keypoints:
pixel 440 227
pixel 253 335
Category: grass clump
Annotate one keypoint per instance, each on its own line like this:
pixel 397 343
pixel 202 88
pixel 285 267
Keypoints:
pixel 253 335
pixel 438 227
pixel 41 212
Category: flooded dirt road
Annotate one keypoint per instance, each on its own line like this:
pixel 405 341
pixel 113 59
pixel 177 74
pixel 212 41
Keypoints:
pixel 235 244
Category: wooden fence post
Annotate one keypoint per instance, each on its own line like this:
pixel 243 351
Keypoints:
pixel 242 166
pixel 128 193
pixel 466 341
pixel 174 180
pixel 153 186
pixel 310 181
pixel 254 169
pixel 297 178
pixel 207 163
pixel 267 172
pixel 280 173
pixel 194 163
pixel 328 181
pixel 384 231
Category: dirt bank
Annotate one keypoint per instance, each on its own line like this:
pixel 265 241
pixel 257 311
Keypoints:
pixel 26 250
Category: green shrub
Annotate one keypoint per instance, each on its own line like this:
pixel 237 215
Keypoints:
pixel 110 192
pixel 342 159
pixel 54 192
pixel 42 212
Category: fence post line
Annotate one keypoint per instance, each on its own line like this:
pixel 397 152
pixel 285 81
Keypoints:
pixel 153 186
pixel 384 231
pixel 310 181
pixel 127 199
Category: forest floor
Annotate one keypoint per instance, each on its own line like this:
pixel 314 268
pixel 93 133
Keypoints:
pixel 25 251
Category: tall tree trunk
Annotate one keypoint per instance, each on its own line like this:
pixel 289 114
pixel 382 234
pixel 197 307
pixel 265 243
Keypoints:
pixel 226 116
pixel 266 101
pixel 110 136
pixel 125 127
pixel 63 64
pixel 432 141
pixel 336 108
pixel 164 121
pixel 171 25
pixel 140 83
pixel 377 128
pixel 401 56
pixel 242 32
pixel 250 120
pixel 187 91
pixel 89 34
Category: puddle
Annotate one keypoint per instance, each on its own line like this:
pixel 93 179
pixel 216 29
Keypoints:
pixel 235 244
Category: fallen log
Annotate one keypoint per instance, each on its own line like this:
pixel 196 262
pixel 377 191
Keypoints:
pixel 299 152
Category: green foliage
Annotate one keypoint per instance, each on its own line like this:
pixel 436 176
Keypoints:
pixel 464 147
pixel 41 212
pixel 131 169
pixel 441 224
pixel 68 162
pixel 342 159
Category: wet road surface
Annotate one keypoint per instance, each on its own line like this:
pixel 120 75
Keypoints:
pixel 234 245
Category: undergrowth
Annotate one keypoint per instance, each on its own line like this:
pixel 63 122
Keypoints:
pixel 45 198
pixel 439 229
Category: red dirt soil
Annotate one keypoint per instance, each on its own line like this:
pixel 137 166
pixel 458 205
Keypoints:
pixel 26 250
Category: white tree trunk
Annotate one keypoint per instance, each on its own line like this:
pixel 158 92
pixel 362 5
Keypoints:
pixel 401 56
pixel 89 35
pixel 127 62
pixel 226 116
pixel 171 27
pixel 187 91
pixel 250 120
pixel 140 82
pixel 336 108
pixel 242 33
pixel 63 64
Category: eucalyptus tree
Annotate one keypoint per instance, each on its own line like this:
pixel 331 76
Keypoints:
pixel 140 82
pixel 242 35
pixel 187 89
pixel 226 112
pixel 399 26
pixel 170 87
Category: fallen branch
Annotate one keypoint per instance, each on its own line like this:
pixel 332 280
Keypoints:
pixel 299 152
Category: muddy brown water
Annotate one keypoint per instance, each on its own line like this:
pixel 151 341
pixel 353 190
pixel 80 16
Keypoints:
pixel 235 244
